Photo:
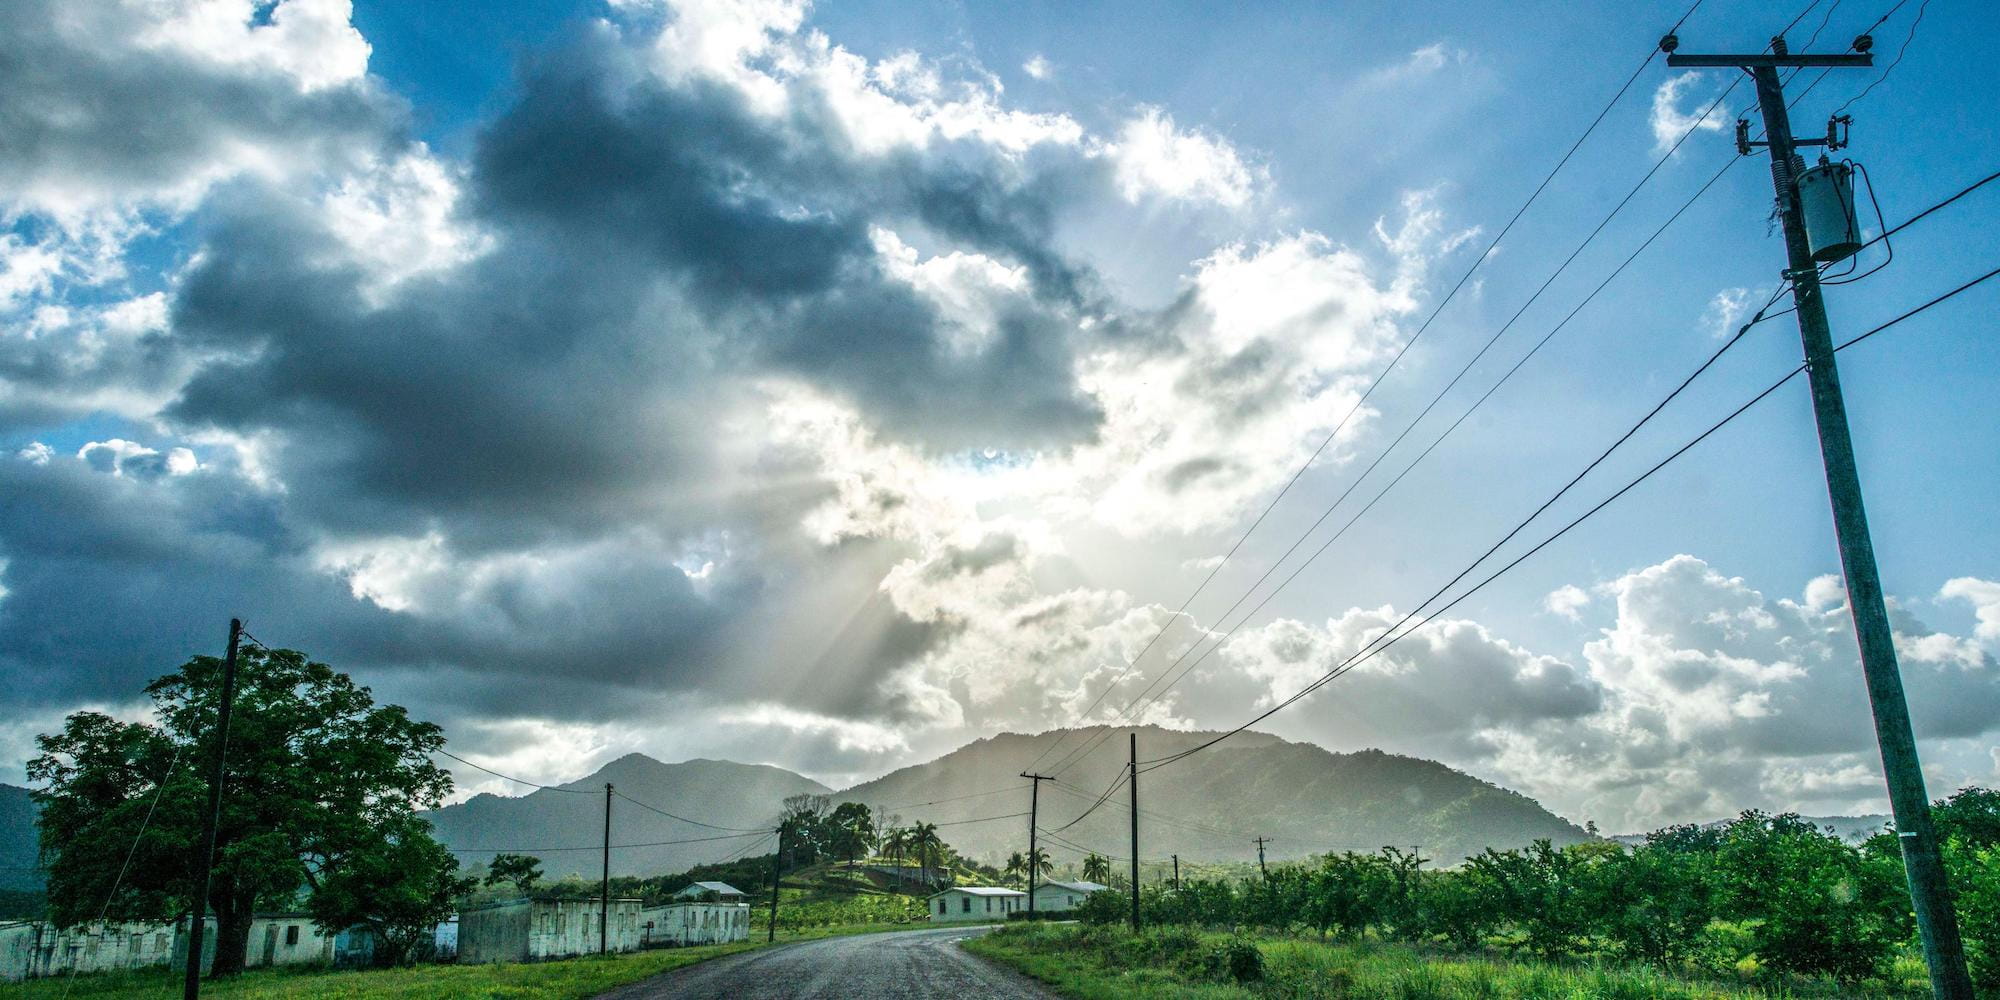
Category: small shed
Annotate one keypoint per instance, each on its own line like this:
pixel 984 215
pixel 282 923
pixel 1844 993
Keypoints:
pixel 711 892
pixel 1055 897
pixel 975 902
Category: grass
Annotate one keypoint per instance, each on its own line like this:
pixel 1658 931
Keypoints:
pixel 1095 963
pixel 568 979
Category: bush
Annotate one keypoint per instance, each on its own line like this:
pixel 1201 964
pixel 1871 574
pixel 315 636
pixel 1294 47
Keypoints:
pixel 1236 960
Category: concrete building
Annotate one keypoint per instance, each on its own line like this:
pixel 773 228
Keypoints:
pixel 678 924
pixel 32 949
pixel 975 902
pixel 713 892
pixel 1055 897
pixel 533 930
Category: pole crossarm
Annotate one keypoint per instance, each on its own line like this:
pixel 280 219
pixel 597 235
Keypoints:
pixel 1831 60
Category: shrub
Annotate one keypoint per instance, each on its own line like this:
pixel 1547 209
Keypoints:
pixel 1236 959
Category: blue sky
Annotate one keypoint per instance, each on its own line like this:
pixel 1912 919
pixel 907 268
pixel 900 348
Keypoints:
pixel 631 412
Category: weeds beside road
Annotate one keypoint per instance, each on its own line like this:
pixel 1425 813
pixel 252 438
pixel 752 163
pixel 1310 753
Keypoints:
pixel 1112 963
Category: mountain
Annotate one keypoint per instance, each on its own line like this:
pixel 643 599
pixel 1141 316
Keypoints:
pixel 1304 798
pixel 17 840
pixel 716 792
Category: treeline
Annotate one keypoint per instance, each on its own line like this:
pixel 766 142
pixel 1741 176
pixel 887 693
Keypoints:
pixel 1777 891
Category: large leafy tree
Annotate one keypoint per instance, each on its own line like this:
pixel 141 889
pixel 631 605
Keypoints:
pixel 851 831
pixel 319 806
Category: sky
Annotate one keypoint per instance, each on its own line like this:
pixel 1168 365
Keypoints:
pixel 832 385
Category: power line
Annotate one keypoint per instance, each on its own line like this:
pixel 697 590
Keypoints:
pixel 599 847
pixel 1373 384
pixel 1367 653
pixel 684 819
pixel 509 777
pixel 1919 19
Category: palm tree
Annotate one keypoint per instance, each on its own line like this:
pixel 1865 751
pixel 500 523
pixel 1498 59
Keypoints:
pixel 1017 866
pixel 924 840
pixel 1096 867
pixel 1042 866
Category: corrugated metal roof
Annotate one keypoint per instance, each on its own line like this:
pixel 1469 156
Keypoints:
pixel 980 890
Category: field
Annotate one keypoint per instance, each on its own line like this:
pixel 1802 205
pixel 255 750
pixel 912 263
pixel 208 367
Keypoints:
pixel 1105 963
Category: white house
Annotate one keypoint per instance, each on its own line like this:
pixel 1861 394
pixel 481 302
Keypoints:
pixel 712 892
pixel 533 930
pixel 1054 897
pixel 976 902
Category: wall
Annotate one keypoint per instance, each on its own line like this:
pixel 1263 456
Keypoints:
pixel 495 933
pixel 270 942
pixel 694 923
pixel 983 907
pixel 533 930
pixel 32 949
pixel 1055 899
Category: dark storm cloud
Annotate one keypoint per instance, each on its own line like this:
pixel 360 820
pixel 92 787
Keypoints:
pixel 654 251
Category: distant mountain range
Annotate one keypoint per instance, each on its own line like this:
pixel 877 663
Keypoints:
pixel 719 793
pixel 1304 799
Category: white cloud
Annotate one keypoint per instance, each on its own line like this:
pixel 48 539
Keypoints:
pixel 1155 158
pixel 1725 311
pixel 1670 122
pixel 1038 67
pixel 399 219
pixel 1984 595
pixel 36 453
pixel 1567 601
pixel 120 457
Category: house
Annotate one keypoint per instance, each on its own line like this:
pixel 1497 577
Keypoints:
pixel 712 892
pixel 1055 897
pixel 975 902
pixel 693 922
pixel 280 939
pixel 532 930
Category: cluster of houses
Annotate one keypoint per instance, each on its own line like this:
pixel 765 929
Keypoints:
pixel 521 930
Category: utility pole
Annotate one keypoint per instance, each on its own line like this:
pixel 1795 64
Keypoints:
pixel 191 986
pixel 1261 841
pixel 1034 808
pixel 1923 863
pixel 777 859
pixel 1177 873
pixel 604 886
pixel 1135 829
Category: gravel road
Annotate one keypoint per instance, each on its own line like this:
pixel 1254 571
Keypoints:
pixel 905 965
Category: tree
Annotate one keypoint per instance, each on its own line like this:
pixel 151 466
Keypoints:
pixel 851 831
pixel 521 871
pixel 1038 862
pixel 322 794
pixel 1096 867
pixel 1017 867
pixel 1814 905
pixel 927 846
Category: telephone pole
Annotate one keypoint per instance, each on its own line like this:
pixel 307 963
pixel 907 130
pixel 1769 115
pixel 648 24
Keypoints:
pixel 1177 873
pixel 1135 829
pixel 191 985
pixel 1034 809
pixel 777 858
pixel 1261 841
pixel 604 886
pixel 1923 863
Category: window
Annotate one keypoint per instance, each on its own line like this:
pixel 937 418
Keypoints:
pixel 965 904
pixel 940 907
pixel 291 935
pixel 160 941
pixel 1070 899
pixel 989 904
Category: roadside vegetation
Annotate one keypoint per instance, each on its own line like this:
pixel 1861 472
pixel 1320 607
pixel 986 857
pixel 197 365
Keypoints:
pixel 1112 963
pixel 1763 903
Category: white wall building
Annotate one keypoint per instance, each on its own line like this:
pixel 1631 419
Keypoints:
pixel 31 949
pixel 1055 897
pixel 531 930
pixel 975 902
pixel 678 924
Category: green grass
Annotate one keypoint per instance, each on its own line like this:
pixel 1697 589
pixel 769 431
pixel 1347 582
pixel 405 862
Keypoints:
pixel 569 979
pixel 1110 963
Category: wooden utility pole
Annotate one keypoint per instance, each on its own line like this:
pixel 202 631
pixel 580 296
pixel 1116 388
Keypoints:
pixel 1261 841
pixel 198 912
pixel 1135 829
pixel 604 885
pixel 777 859
pixel 1923 863
pixel 1177 873
pixel 1034 807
